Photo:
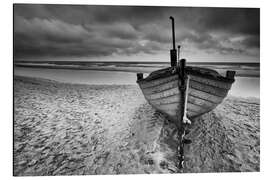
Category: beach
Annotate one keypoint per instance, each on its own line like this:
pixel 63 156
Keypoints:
pixel 76 129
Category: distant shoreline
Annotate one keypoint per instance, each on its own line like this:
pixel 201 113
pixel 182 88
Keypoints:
pixel 240 71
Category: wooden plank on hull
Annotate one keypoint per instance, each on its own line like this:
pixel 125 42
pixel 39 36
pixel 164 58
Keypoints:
pixel 147 84
pixel 161 87
pixel 166 100
pixel 163 94
pixel 197 108
pixel 200 102
pixel 216 83
pixel 205 95
pixel 209 89
pixel 191 108
pixel 202 98
pixel 175 99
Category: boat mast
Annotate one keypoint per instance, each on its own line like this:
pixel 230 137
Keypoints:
pixel 173 51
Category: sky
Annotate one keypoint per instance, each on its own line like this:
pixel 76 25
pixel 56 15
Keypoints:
pixel 135 33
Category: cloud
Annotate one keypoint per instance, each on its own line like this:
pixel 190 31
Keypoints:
pixel 119 30
pixel 51 29
pixel 92 31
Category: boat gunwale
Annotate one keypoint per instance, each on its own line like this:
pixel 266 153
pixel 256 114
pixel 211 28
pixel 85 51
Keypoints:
pixel 170 71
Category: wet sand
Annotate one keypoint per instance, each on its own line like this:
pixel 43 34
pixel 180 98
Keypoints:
pixel 71 129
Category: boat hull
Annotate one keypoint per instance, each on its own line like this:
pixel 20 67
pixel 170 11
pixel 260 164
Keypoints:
pixel 206 90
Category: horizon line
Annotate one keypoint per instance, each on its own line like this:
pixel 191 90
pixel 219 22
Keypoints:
pixel 132 62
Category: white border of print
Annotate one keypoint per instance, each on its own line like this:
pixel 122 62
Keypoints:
pixel 7 75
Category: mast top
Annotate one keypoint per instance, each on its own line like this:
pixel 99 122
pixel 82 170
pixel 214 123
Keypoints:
pixel 173 33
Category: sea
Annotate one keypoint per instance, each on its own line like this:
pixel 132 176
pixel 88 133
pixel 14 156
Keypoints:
pixel 247 79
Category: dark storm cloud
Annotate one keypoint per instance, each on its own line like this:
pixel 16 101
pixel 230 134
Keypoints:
pixel 64 30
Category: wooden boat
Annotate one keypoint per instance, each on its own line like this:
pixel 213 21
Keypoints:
pixel 206 89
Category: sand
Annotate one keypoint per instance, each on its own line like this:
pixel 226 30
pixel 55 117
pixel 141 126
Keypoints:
pixel 71 129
